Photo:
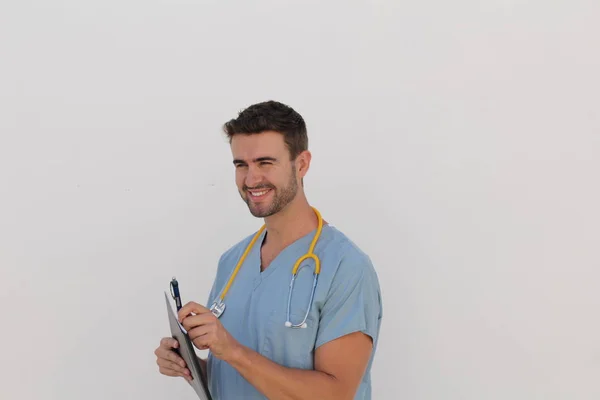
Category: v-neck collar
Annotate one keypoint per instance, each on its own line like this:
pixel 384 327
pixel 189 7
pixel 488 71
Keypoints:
pixel 301 249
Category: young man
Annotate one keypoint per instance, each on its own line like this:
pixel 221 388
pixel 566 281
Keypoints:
pixel 255 353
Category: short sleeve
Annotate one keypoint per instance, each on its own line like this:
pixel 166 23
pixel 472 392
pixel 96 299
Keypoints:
pixel 353 303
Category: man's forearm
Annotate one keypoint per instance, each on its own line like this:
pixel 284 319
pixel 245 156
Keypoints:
pixel 282 383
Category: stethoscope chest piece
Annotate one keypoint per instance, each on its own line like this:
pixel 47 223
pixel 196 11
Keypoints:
pixel 302 325
pixel 218 309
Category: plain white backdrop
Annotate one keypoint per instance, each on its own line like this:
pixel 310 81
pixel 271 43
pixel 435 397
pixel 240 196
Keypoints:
pixel 457 143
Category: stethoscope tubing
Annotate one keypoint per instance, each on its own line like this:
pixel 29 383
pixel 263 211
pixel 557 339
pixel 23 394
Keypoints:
pixel 218 306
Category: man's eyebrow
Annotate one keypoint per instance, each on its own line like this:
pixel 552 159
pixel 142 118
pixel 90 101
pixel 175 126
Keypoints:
pixel 259 159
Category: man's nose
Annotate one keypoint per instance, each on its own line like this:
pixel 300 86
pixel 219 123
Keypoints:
pixel 253 177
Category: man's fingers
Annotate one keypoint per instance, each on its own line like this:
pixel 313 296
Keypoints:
pixel 173 357
pixel 171 372
pixel 167 354
pixel 189 308
pixel 200 331
pixel 169 342
pixel 169 362
pixel 172 366
pixel 168 372
pixel 202 336
pixel 197 320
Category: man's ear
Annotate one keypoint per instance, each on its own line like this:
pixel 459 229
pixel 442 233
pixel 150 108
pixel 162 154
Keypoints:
pixel 303 163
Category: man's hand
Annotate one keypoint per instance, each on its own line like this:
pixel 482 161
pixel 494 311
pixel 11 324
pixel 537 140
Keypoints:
pixel 169 362
pixel 206 331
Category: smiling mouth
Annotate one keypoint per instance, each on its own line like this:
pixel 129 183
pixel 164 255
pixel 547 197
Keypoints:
pixel 257 194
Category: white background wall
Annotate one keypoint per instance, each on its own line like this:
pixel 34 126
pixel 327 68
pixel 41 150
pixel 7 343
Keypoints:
pixel 456 142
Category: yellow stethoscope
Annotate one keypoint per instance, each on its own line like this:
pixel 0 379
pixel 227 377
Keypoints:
pixel 218 306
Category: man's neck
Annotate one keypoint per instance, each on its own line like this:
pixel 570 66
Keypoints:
pixel 290 224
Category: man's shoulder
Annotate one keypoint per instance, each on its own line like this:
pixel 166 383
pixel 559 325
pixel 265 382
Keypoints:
pixel 351 257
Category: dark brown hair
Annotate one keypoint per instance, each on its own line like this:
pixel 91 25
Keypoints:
pixel 271 116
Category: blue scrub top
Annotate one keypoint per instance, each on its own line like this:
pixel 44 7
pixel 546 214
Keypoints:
pixel 347 299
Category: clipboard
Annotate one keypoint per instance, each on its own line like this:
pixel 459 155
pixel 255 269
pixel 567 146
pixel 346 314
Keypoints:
pixel 186 351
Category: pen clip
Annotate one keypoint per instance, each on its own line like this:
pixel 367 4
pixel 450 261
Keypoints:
pixel 174 287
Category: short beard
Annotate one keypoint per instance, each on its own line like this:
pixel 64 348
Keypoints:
pixel 281 198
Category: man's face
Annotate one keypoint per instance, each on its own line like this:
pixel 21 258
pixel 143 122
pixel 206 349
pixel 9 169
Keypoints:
pixel 265 176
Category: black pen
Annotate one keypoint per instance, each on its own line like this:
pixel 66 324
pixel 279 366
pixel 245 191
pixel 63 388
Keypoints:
pixel 175 293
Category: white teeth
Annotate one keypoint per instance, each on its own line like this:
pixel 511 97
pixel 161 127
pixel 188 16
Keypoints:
pixel 258 193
